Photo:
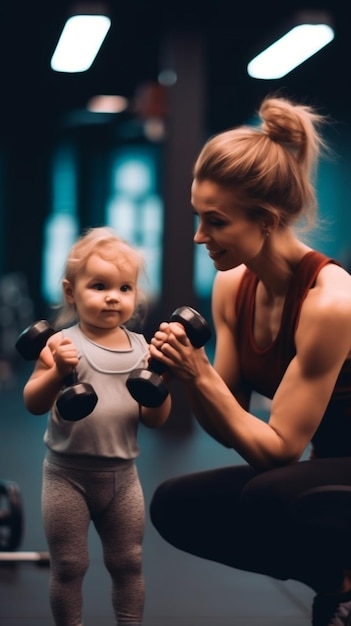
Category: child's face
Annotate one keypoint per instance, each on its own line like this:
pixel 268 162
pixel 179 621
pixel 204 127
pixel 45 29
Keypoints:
pixel 103 294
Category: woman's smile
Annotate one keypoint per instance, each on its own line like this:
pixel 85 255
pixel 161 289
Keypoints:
pixel 214 254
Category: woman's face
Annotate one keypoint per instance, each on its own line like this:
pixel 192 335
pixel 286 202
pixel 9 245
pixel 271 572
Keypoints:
pixel 223 226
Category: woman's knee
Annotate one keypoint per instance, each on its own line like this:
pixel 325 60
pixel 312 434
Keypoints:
pixel 201 498
pixel 161 504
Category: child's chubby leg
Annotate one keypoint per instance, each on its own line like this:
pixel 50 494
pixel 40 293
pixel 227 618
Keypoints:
pixel 66 520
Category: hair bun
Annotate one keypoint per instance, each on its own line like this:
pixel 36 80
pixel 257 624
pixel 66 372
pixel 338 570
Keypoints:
pixel 283 122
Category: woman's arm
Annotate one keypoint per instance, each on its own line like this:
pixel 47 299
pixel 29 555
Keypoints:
pixel 55 363
pixel 225 360
pixel 323 342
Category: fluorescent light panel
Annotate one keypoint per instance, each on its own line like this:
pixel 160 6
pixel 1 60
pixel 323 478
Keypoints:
pixel 80 41
pixel 291 50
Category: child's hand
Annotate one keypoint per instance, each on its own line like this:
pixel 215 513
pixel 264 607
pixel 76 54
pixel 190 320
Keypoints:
pixel 161 335
pixel 62 354
pixel 46 357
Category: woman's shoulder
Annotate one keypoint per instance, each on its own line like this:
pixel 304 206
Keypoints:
pixel 229 281
pixel 333 284
pixel 330 298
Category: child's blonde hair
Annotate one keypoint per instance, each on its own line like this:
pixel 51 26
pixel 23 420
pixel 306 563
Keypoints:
pixel 104 242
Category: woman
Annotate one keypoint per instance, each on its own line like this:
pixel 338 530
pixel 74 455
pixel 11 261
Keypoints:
pixel 282 315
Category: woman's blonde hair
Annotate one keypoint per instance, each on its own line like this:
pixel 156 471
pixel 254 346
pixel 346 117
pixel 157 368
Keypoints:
pixel 271 166
pixel 104 242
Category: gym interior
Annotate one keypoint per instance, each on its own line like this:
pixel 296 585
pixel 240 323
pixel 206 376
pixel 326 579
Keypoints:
pixel 64 169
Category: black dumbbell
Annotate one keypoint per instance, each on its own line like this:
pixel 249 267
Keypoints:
pixel 11 516
pixel 12 526
pixel 146 385
pixel 77 399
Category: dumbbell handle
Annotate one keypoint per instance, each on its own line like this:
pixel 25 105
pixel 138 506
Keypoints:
pixel 76 400
pixel 146 386
pixel 33 339
pixel 71 378
pixel 196 328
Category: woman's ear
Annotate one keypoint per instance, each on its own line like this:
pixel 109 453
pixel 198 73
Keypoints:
pixel 270 222
pixel 68 291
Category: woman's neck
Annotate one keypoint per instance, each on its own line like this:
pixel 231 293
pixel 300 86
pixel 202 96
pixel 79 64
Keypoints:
pixel 277 261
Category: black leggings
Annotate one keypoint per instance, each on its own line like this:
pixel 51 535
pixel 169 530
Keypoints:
pixel 245 519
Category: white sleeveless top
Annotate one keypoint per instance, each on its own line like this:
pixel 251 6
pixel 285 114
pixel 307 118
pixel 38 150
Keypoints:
pixel 110 431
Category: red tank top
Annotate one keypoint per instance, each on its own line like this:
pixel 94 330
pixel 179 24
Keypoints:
pixel 263 369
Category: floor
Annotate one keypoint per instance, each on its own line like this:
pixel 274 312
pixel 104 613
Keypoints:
pixel 181 590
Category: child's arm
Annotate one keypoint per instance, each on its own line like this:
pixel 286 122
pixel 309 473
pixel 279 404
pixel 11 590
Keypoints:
pixel 54 364
pixel 156 416
pixel 153 417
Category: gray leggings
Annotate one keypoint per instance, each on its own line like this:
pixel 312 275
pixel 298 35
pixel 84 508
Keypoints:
pixel 112 499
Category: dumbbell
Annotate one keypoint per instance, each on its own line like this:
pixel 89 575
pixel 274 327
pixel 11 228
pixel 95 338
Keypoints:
pixel 11 528
pixel 146 385
pixel 77 399
pixel 11 515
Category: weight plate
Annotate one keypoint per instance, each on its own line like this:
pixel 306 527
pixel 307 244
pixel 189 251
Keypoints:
pixel 11 516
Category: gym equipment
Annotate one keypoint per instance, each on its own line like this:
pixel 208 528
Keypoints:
pixel 146 385
pixel 11 527
pixel 39 558
pixel 32 340
pixel 76 400
pixel 11 517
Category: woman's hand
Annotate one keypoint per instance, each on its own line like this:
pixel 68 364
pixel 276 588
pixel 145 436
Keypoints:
pixel 171 345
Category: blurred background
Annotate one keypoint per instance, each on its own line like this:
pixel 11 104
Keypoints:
pixel 114 145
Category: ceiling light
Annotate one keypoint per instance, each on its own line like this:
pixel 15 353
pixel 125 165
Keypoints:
pixel 79 43
pixel 295 47
pixel 107 104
